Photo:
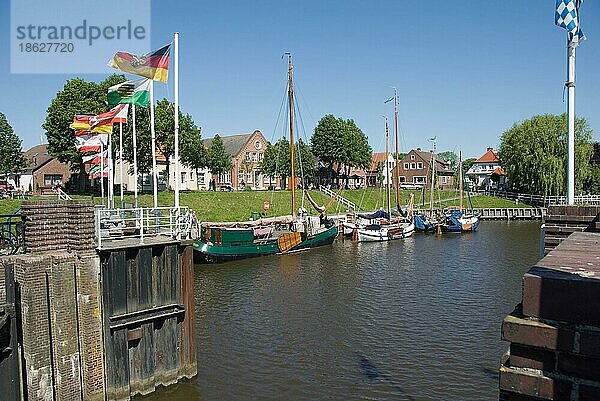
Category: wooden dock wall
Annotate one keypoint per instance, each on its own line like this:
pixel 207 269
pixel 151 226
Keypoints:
pixel 148 317
pixel 514 213
pixel 78 325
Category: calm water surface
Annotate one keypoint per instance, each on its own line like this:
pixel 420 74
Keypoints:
pixel 415 319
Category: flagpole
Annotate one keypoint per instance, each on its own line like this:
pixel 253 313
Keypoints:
pixel 176 81
pixel 571 123
pixel 153 134
pixel 111 187
pixel 135 170
pixel 121 162
pixel 102 170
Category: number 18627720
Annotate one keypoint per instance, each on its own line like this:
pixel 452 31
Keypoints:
pixel 47 47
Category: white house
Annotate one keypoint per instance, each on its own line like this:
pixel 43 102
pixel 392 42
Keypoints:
pixel 486 172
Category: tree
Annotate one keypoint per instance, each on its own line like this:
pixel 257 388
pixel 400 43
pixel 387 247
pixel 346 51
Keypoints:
pixel 340 142
pixel 534 154
pixel 11 152
pixel 218 161
pixel 277 162
pixel 77 97
pixel 450 157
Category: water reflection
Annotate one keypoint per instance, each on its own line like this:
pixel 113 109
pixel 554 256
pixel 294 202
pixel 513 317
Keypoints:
pixel 417 319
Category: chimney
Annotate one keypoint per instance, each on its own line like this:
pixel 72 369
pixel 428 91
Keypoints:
pixel 419 149
pixel 488 149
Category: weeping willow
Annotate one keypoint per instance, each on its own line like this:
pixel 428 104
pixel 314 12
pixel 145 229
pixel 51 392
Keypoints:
pixel 534 154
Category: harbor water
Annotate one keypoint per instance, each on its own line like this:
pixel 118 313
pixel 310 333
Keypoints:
pixel 414 319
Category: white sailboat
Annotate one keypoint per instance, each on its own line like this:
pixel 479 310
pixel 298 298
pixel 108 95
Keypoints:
pixel 400 227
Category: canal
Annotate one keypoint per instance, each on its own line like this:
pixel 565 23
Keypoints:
pixel 415 319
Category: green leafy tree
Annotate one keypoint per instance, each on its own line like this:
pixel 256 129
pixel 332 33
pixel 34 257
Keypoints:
pixel 338 142
pixel 77 97
pixel 450 157
pixel 11 152
pixel 277 161
pixel 534 154
pixel 218 161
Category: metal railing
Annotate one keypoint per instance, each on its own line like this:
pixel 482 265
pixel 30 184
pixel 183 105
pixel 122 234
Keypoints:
pixel 544 201
pixel 62 195
pixel 140 224
pixel 12 233
pixel 340 199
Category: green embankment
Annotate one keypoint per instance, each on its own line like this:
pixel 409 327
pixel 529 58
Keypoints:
pixel 239 205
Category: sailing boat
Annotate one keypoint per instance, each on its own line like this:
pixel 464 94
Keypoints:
pixel 394 229
pixel 231 241
pixel 457 221
pixel 422 221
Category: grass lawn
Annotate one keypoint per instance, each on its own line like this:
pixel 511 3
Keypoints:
pixel 239 205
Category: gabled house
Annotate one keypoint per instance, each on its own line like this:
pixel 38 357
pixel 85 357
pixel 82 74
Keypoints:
pixel 246 152
pixel 415 170
pixel 377 174
pixel 486 172
pixel 43 172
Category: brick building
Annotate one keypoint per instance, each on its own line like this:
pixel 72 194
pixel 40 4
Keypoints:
pixel 43 171
pixel 415 169
pixel 246 152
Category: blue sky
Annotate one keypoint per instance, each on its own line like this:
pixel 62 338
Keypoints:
pixel 465 70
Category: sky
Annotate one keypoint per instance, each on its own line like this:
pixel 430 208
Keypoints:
pixel 465 71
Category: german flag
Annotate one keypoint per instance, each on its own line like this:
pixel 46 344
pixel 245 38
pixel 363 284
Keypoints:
pixel 153 65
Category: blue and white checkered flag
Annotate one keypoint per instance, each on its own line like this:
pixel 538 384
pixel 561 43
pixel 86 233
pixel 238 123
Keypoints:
pixel 567 16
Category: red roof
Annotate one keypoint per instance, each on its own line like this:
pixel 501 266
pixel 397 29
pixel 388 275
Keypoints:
pixel 488 157
pixel 499 171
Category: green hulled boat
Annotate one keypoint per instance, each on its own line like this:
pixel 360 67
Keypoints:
pixel 222 244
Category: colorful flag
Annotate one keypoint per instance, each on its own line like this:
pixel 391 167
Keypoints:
pixel 121 116
pixel 153 65
pixel 103 123
pixel 95 158
pixel 81 123
pixel 90 143
pixel 84 124
pixel 132 92
pixel 567 17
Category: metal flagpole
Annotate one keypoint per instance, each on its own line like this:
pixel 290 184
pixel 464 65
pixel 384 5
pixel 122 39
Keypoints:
pixel 111 187
pixel 102 170
pixel 571 123
pixel 121 162
pixel 176 81
pixel 135 171
pixel 153 134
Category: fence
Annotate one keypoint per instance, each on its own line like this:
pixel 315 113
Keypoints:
pixel 544 201
pixel 140 224
pixel 351 205
pixel 11 234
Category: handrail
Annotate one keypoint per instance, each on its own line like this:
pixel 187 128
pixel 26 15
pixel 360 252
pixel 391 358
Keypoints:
pixel 139 224
pixel 340 199
pixel 62 195
pixel 540 200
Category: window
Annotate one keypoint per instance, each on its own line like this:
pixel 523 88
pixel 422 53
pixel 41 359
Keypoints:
pixel 183 177
pixel 412 157
pixel 254 157
pixel 249 176
pixel 420 165
pixel 52 179
pixel 413 166
pixel 444 180
pixel 260 156
pixel 247 156
pixel 419 180
pixel 402 178
pixel 200 178
pixel 405 166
